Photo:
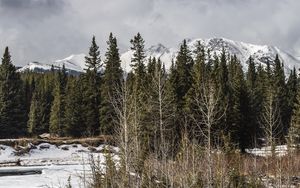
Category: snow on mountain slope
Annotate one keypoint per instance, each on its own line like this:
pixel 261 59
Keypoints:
pixel 36 67
pixel 260 53
pixel 73 62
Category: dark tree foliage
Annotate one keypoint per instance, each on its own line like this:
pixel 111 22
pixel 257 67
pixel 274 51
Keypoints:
pixel 74 109
pixel 181 81
pixel 91 90
pixel 12 103
pixel 57 115
pixel 111 83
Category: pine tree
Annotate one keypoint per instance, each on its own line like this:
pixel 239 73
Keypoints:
pixel 12 106
pixel 139 92
pixel 200 75
pixel 74 112
pixel 112 78
pixel 57 116
pixel 183 64
pixel 92 85
pixel 138 65
pixel 251 74
pixel 33 119
pixel 238 103
pixel 292 89
pixel 93 61
pixel 280 94
pixel 223 77
pixel 251 129
pixel 182 82
pixel 37 122
pixel 294 130
pixel 174 130
pixel 222 81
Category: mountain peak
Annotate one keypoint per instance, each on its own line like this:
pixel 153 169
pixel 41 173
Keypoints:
pixel 159 48
pixel 260 54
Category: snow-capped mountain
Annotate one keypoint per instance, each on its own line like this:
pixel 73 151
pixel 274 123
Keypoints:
pixel 74 64
pixel 260 54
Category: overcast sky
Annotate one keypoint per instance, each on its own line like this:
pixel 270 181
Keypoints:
pixel 46 30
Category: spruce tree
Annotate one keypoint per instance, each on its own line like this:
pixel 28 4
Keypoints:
pixel 239 102
pixel 12 106
pixel 181 80
pixel 139 92
pixel 222 81
pixel 174 130
pixel 200 74
pixel 184 63
pixel 138 65
pixel 292 89
pixel 279 88
pixel 74 109
pixel 37 122
pixel 254 105
pixel 112 78
pixel 92 84
pixel 294 130
pixel 93 61
pixel 57 116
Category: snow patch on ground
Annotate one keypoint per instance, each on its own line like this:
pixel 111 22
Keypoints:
pixel 280 151
pixel 58 163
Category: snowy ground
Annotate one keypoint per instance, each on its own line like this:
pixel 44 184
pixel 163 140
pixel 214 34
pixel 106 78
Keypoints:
pixel 280 150
pixel 58 163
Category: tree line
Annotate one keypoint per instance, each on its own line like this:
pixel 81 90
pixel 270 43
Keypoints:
pixel 200 92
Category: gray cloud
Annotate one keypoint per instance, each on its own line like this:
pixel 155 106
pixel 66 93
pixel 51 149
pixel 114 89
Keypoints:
pixel 45 30
pixel 29 3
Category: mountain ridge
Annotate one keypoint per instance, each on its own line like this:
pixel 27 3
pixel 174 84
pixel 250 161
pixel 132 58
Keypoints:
pixel 260 54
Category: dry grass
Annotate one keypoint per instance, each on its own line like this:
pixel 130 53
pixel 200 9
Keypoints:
pixel 233 169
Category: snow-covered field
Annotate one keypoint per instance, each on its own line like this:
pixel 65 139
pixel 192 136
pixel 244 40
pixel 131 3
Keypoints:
pixel 58 164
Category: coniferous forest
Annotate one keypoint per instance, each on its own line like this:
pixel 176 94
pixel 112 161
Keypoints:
pixel 206 99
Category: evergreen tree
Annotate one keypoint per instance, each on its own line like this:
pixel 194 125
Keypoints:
pixel 292 89
pixel 200 75
pixel 37 121
pixel 223 77
pixel 183 64
pixel 139 92
pixel 294 130
pixel 112 78
pixel 251 74
pixel 12 106
pixel 57 116
pixel 172 96
pixel 222 81
pixel 181 80
pixel 238 103
pixel 74 112
pixel 138 66
pixel 92 84
pixel 280 94
pixel 250 130
pixel 93 61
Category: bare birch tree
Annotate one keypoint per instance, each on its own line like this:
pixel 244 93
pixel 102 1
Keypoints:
pixel 125 109
pixel 270 121
pixel 210 112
